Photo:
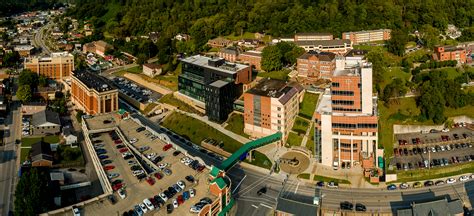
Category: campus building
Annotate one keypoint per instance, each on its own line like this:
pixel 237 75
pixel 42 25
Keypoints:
pixel 229 53
pixel 57 66
pixel 346 126
pixel 93 93
pixel 334 46
pixel 213 84
pixel 252 58
pixel 367 36
pixel 313 36
pixel 316 64
pixel 270 107
pixel 446 53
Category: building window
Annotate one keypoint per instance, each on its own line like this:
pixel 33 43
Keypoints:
pixel 345 93
pixel 343 102
pixel 279 108
pixel 335 84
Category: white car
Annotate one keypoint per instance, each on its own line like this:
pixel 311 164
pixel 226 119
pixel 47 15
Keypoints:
pixel 181 184
pixel 194 209
pixel 133 140
pixel 188 162
pixel 143 207
pixel 184 159
pixel 192 192
pixel 113 175
pixel 175 203
pixel 464 178
pixel 137 172
pixel 151 155
pixel 450 181
pixel 75 211
pixel 163 197
pixel 163 165
pixel 148 204
pixel 126 154
pixel 122 193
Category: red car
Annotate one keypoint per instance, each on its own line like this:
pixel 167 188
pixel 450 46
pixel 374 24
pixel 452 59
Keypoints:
pixel 180 199
pixel 158 176
pixel 150 181
pixel 167 147
pixel 118 141
pixel 109 167
pixel 117 186
pixel 200 168
pixel 123 150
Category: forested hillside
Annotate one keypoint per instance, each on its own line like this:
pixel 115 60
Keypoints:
pixel 207 18
pixel 9 7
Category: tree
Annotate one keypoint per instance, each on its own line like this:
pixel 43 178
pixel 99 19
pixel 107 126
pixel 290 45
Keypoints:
pixel 271 59
pixel 43 81
pixel 24 93
pixel 141 59
pixel 11 59
pixel 397 42
pixel 467 35
pixel 430 36
pixel 32 195
pixel 27 77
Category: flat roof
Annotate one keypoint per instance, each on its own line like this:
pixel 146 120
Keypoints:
pixel 203 61
pixel 253 53
pixel 368 31
pixel 275 89
pixel 94 81
pixel 313 33
pixel 219 83
pixel 323 42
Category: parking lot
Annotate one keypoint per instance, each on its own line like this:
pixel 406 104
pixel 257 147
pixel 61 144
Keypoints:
pixel 423 150
pixel 138 190
pixel 136 91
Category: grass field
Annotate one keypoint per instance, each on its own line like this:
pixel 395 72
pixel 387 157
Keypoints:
pixel 27 142
pixel 310 141
pixel 329 179
pixel 294 139
pixel 280 75
pixel 236 124
pixel 149 107
pixel 24 154
pixel 392 73
pixel 171 100
pixel 300 126
pixel 260 160
pixel 196 130
pixel 434 173
pixel 308 105
pixel 467 110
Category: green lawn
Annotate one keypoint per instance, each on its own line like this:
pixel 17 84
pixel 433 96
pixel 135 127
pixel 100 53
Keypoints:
pixel 260 160
pixel 27 142
pixel 294 139
pixel 171 100
pixel 450 71
pixel 247 35
pixel 310 142
pixel 434 173
pixel 280 75
pixel 196 131
pixel 300 126
pixel 24 154
pixel 136 70
pixel 308 105
pixel 329 179
pixel 391 74
pixel 467 110
pixel 303 175
pixel 149 107
pixel 235 123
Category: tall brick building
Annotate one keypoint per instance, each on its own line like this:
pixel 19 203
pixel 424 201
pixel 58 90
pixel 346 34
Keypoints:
pixel 316 64
pixel 57 66
pixel 93 93
pixel 253 58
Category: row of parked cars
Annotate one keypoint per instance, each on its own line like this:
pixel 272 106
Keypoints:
pixel 444 138
pixel 25 123
pixel 429 183
pixel 430 149
pixel 133 90
pixel 434 162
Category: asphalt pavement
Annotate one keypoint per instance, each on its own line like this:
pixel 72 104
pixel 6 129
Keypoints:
pixel 39 39
pixel 8 161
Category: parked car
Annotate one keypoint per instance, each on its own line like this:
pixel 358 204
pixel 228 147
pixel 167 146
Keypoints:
pixel 122 193
pixel 148 204
pixel 451 180
pixel 346 205
pixel 167 147
pixel 464 178
pixel 429 183
pixel 332 184
pixel 109 167
pixel 391 187
pixel 150 181
pixel 439 182
pixel 360 207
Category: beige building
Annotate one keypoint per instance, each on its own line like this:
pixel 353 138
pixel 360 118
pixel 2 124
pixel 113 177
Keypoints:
pixel 313 36
pixel 335 46
pixel 271 106
pixel 152 70
pixel 57 66
pixel 367 36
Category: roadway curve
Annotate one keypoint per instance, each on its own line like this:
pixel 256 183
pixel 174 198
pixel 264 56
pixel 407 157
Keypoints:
pixel 39 41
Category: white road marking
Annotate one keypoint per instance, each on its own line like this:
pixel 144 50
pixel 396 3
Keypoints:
pixel 236 187
pixel 296 189
pixel 254 206
pixel 266 206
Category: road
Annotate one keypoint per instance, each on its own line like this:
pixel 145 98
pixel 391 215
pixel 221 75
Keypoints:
pixel 8 160
pixel 39 39
pixel 246 183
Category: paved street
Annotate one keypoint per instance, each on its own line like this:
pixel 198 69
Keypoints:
pixel 8 161
pixel 39 39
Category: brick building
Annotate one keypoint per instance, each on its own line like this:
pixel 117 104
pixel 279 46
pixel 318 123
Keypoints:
pixel 219 42
pixel 346 123
pixel 367 36
pixel 57 66
pixel 253 58
pixel 271 106
pixel 93 93
pixel 313 36
pixel 316 64
pixel 97 47
pixel 446 53
pixel 230 54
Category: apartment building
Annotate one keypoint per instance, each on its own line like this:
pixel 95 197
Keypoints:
pixel 271 106
pixel 313 36
pixel 230 54
pixel 346 123
pixel 56 66
pixel 93 93
pixel 446 53
pixel 213 84
pixel 315 64
pixel 367 36
pixel 334 46
pixel 97 47
pixel 252 58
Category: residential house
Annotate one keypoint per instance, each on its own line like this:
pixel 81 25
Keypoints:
pixel 152 70
pixel 69 136
pixel 253 58
pixel 316 64
pixel 219 42
pixel 46 122
pixel 47 93
pixel 41 155
pixel 101 47
pixel 437 207
pixel 230 54
pixel 249 43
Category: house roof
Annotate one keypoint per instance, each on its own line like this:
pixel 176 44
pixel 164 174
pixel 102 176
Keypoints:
pixel 67 131
pixel 102 44
pixel 295 207
pixel 41 151
pixel 214 171
pixel 46 116
pixel 152 66
pixel 275 89
pixel 253 53
pixel 230 50
pixel 322 56
pixel 220 183
pixel 356 52
pixel 435 208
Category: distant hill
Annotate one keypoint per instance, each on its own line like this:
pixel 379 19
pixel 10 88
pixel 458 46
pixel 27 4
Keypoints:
pixel 9 7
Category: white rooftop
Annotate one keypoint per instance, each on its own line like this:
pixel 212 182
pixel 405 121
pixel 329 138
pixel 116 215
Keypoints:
pixel 203 61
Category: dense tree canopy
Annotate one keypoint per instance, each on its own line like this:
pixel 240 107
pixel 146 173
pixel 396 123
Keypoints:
pixel 32 195
pixel 396 44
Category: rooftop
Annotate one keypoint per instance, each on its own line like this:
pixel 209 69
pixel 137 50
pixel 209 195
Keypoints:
pixel 366 31
pixel 219 83
pixel 41 150
pixel 152 66
pixel 253 53
pixel 313 33
pixel 438 207
pixel 355 52
pixel 46 116
pixel 322 56
pixel 275 89
pixel 230 50
pixel 93 81
pixel 215 63
pixel 323 42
